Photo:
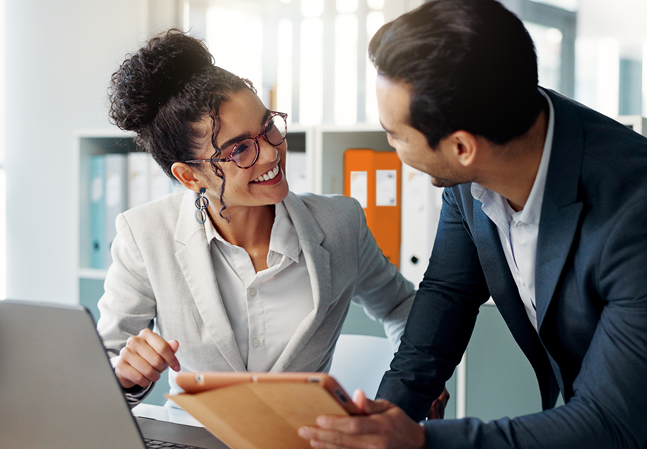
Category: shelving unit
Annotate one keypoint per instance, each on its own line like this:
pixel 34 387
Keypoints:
pixel 327 156
pixel 635 122
pixel 93 144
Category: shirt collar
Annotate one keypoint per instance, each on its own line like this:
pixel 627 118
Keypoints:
pixel 531 212
pixel 283 238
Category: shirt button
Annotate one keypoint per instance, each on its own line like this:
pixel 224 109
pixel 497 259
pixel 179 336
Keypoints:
pixel 256 342
pixel 234 250
pixel 252 291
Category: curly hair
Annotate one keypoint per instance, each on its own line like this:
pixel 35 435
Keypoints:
pixel 164 90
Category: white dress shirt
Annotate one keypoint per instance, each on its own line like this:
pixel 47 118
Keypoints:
pixel 518 231
pixel 266 307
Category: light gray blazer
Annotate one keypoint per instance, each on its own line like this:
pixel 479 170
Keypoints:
pixel 162 275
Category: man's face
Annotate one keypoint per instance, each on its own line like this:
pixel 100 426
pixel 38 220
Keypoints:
pixel 410 144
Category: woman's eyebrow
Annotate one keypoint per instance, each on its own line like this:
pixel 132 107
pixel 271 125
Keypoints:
pixel 246 135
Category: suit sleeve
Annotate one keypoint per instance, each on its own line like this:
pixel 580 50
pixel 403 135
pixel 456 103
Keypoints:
pixel 380 289
pixel 441 320
pixel 609 404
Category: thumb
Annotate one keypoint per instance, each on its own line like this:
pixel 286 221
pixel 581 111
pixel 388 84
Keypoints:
pixel 174 344
pixel 368 406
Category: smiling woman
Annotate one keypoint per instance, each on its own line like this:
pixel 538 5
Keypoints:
pixel 238 273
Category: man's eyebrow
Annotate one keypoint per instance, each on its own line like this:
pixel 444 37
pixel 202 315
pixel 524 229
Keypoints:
pixel 243 136
pixel 387 130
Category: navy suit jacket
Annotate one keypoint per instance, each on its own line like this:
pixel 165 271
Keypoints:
pixel 591 298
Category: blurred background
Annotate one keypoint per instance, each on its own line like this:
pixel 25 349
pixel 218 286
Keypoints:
pixel 306 57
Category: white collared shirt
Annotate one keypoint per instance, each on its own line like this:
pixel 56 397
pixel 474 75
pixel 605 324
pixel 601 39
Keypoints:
pixel 266 307
pixel 518 231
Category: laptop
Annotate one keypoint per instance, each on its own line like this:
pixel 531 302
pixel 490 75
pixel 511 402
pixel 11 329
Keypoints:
pixel 58 389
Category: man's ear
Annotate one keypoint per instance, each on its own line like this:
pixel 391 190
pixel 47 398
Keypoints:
pixel 186 176
pixel 464 147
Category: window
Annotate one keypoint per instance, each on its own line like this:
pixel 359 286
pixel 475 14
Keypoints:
pixel 305 57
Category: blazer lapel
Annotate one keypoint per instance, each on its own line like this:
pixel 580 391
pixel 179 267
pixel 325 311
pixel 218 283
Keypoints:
pixel 195 260
pixel 318 263
pixel 505 294
pixel 561 210
pixel 502 287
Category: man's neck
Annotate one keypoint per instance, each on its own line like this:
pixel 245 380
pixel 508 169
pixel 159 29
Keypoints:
pixel 514 166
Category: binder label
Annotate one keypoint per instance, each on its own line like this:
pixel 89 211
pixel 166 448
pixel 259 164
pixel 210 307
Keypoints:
pixel 386 187
pixel 358 187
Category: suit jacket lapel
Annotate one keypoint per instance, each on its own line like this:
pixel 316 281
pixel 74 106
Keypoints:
pixel 318 262
pixel 561 210
pixel 195 260
pixel 502 287
pixel 505 294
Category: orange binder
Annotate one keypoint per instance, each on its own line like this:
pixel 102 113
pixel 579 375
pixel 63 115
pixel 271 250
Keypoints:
pixel 374 179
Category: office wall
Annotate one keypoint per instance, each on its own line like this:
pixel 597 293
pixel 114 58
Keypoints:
pixel 59 58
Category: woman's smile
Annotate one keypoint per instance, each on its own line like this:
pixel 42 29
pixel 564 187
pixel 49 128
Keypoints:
pixel 272 176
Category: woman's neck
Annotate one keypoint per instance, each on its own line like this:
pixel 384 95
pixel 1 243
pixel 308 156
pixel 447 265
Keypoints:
pixel 249 228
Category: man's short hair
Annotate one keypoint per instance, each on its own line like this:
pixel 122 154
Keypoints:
pixel 471 65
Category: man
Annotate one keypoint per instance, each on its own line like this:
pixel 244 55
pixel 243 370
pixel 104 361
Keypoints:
pixel 544 211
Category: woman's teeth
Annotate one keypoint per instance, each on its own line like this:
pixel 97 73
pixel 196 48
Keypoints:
pixel 269 175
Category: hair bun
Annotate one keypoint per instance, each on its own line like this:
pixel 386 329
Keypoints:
pixel 149 78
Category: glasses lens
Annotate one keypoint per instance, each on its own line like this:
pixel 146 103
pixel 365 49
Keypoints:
pixel 244 153
pixel 275 130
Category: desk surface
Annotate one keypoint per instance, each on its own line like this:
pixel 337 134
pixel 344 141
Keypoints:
pixel 165 413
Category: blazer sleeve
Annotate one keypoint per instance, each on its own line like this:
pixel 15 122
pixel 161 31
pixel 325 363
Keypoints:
pixel 441 320
pixel 128 304
pixel 380 289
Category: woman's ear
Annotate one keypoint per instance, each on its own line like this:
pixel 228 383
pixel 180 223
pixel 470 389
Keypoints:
pixel 186 176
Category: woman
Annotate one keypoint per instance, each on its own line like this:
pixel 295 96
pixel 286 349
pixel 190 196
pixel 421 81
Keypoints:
pixel 237 273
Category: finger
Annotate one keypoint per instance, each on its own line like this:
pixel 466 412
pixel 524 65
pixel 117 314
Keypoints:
pixel 162 348
pixel 138 347
pixel 436 411
pixel 359 398
pixel 378 406
pixel 351 425
pixel 329 439
pixel 135 369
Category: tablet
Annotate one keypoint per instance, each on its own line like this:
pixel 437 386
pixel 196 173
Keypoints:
pixel 205 381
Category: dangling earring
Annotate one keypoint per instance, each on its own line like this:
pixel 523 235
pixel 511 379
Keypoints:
pixel 201 204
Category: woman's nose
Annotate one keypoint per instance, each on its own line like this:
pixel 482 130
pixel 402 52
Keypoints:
pixel 267 152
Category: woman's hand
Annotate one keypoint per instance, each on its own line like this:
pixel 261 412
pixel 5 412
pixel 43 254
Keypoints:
pixel 144 358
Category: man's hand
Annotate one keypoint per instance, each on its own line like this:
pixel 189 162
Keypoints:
pixel 385 427
pixel 144 358
pixel 438 407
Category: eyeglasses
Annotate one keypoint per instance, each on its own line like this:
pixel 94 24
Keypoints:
pixel 241 154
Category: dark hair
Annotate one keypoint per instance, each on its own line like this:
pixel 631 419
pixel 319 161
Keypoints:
pixel 166 88
pixel 471 65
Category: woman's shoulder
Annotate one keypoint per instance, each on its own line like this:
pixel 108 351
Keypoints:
pixel 332 202
pixel 162 210
pixel 329 211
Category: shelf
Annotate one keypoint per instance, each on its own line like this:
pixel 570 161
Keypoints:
pixel 91 273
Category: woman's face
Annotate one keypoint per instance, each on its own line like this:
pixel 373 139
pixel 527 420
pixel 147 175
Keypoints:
pixel 244 116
